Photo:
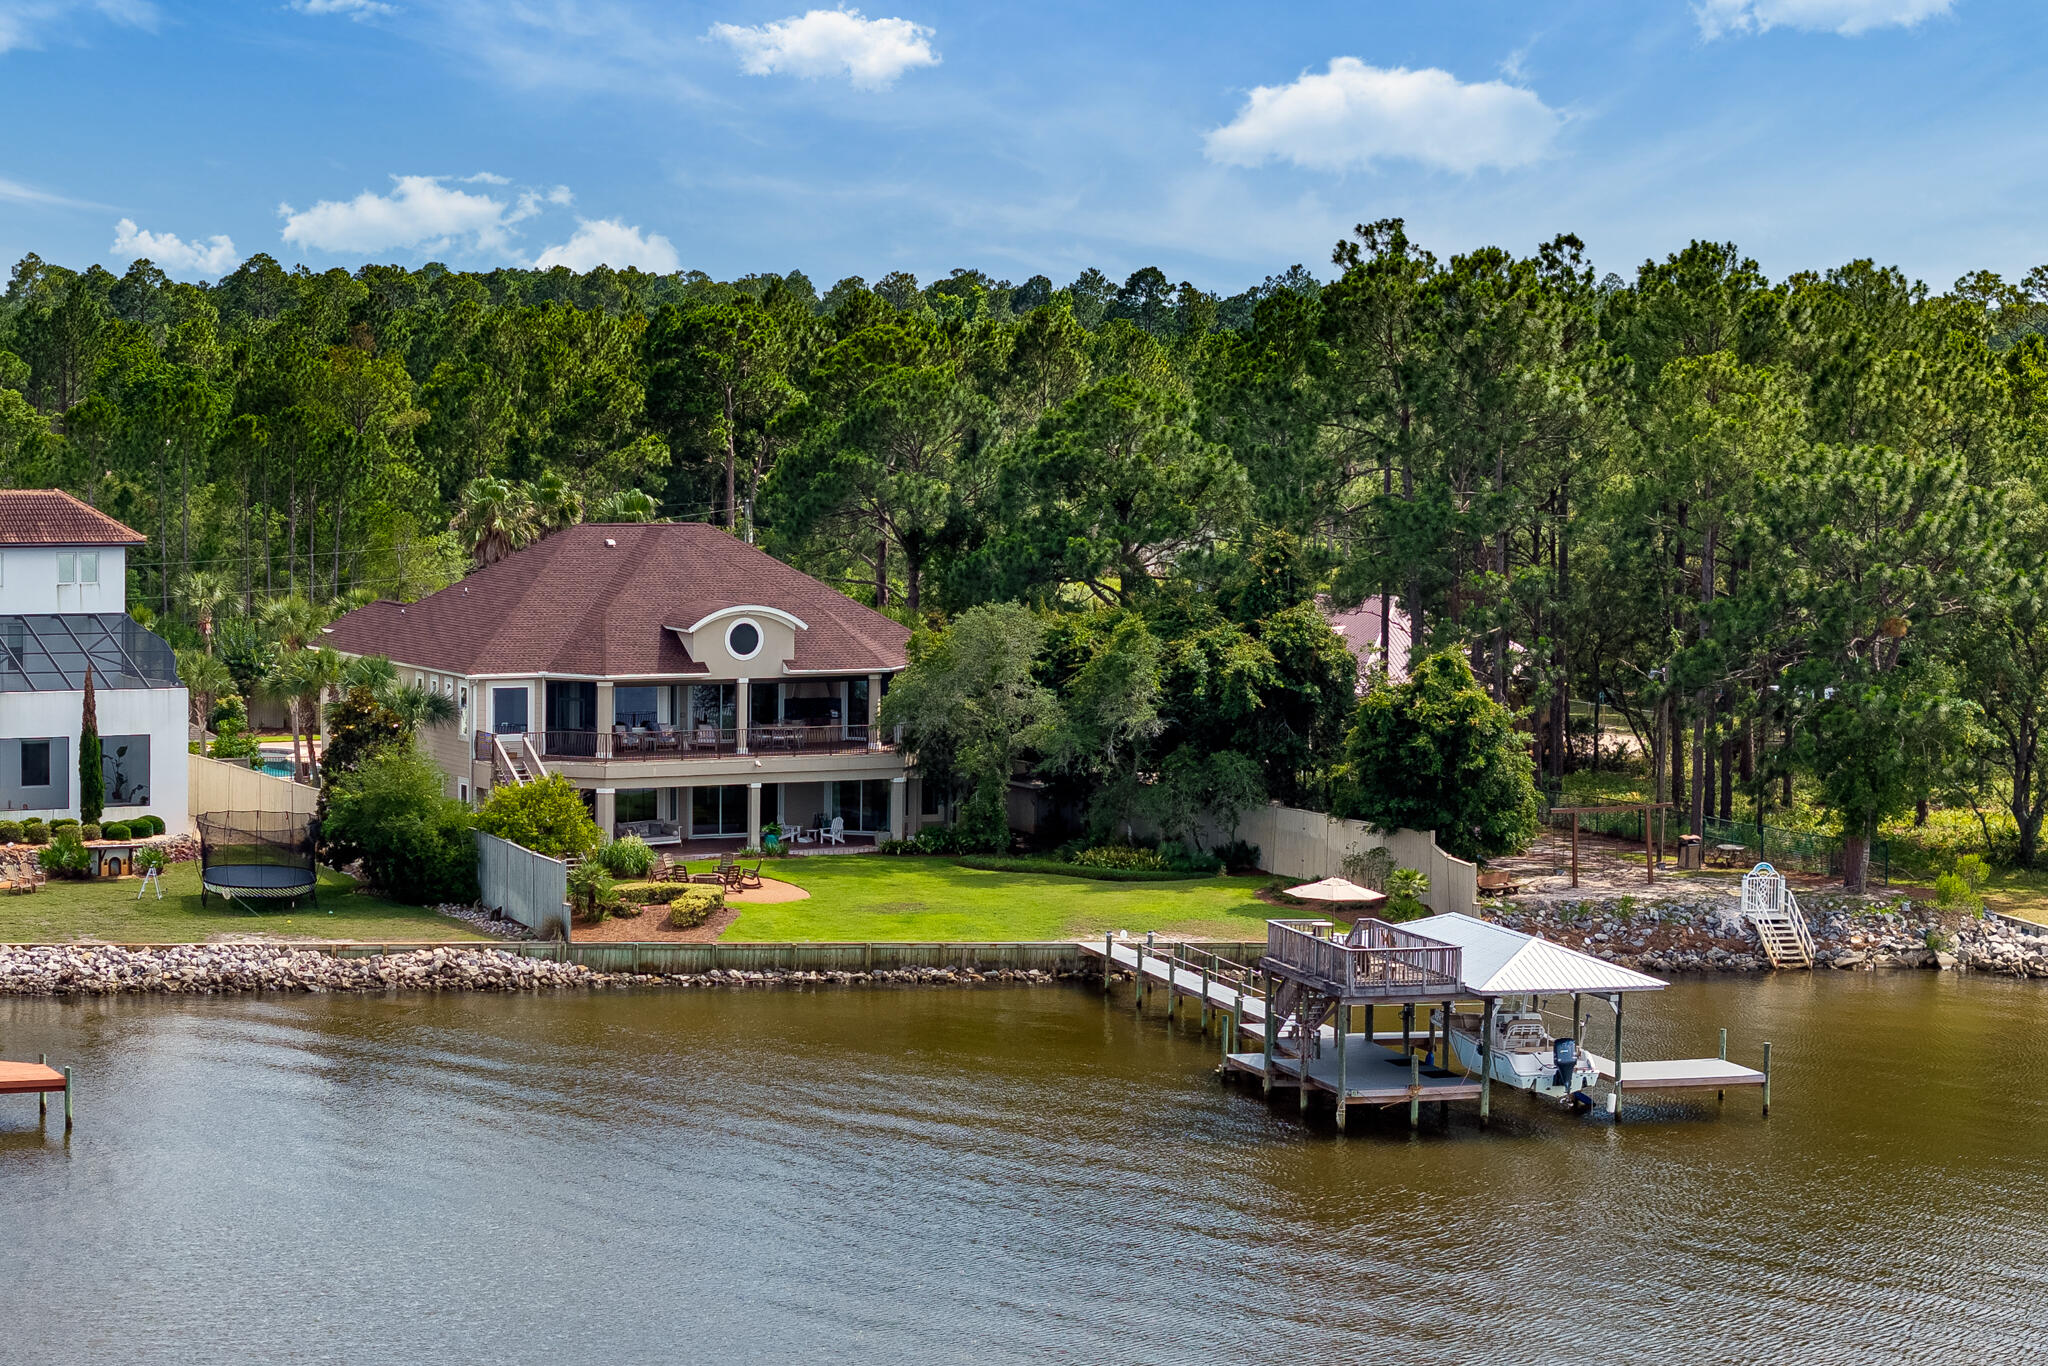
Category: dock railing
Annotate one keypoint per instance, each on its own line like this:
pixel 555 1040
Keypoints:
pixel 1376 959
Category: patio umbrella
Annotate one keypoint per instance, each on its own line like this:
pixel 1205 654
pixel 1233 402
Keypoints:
pixel 1336 889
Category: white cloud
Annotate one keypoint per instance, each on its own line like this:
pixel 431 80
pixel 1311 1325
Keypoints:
pixel 23 22
pixel 421 211
pixel 352 9
pixel 1354 115
pixel 831 42
pixel 1846 17
pixel 214 256
pixel 14 192
pixel 608 242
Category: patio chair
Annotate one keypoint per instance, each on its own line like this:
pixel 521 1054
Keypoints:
pixel 665 737
pixel 707 738
pixel 747 878
pixel 625 741
pixel 836 832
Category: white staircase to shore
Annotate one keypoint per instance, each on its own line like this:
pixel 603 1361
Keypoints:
pixel 1768 904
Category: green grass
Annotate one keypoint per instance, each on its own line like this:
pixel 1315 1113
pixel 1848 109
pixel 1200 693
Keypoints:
pixel 876 897
pixel 107 910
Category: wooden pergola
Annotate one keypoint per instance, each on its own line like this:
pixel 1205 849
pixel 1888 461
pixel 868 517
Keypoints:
pixel 1653 850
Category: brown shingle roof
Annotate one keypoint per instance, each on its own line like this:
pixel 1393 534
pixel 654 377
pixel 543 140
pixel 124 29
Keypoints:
pixel 53 517
pixel 572 604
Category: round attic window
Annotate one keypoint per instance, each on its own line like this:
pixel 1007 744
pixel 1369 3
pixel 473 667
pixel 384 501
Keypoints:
pixel 743 640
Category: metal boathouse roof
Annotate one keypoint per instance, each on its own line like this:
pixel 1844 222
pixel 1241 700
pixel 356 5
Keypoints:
pixel 1503 962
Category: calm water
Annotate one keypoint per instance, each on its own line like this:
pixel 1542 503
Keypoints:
pixel 924 1176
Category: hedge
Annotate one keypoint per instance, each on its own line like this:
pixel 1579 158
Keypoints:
pixel 989 863
pixel 690 904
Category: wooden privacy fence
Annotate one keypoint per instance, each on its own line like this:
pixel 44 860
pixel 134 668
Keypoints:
pixel 217 785
pixel 524 886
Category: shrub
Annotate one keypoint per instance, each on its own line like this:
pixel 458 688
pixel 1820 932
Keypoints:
pixel 10 832
pixel 1972 869
pixel 415 844
pixel 547 817
pixel 895 846
pixel 1952 892
pixel 695 907
pixel 63 823
pixel 65 855
pixel 89 832
pixel 1405 889
pixel 1185 859
pixel 1120 856
pixel 114 830
pixel 998 863
pixel 941 839
pixel 622 858
pixel 149 857
pixel 1238 856
pixel 1368 867
pixel 35 832
pixel 592 893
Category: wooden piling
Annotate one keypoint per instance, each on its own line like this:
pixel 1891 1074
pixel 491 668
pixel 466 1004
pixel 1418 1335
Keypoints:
pixel 67 1100
pixel 1205 998
pixel 1108 960
pixel 1414 1091
pixel 1172 984
pixel 1767 1076
pixel 1138 1002
pixel 1343 1072
pixel 1617 1057
pixel 1722 1094
pixel 1486 1063
pixel 42 1097
pixel 1272 1029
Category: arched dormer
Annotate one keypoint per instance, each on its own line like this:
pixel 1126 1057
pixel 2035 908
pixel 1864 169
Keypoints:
pixel 747 640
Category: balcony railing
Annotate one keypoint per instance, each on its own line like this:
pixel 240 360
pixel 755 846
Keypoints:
pixel 688 742
pixel 1377 959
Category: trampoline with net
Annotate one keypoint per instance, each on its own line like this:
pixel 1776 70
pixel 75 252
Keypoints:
pixel 257 856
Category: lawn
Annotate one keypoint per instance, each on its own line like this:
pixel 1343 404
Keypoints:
pixel 108 910
pixel 879 897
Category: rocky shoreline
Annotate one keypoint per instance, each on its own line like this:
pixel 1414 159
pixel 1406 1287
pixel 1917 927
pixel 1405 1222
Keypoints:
pixel 1709 935
pixel 233 969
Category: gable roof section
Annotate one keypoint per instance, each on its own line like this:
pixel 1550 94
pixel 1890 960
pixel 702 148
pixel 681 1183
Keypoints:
pixel 1503 962
pixel 54 517
pixel 573 604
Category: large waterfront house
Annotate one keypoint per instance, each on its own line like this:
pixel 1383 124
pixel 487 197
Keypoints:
pixel 692 686
pixel 64 610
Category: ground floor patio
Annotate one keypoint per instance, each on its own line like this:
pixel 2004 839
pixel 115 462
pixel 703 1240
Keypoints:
pixel 710 817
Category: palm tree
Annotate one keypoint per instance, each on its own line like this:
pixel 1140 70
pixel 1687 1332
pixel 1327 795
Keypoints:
pixel 555 503
pixel 204 592
pixel 293 622
pixel 633 505
pixel 496 519
pixel 284 681
pixel 206 677
pixel 418 707
pixel 319 670
pixel 374 672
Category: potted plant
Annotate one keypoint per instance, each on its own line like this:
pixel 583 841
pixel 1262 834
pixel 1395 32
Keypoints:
pixel 771 838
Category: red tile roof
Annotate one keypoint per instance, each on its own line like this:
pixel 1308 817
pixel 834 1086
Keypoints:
pixel 574 604
pixel 53 517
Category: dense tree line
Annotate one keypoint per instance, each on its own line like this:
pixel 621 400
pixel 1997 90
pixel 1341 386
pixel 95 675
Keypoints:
pixel 1786 530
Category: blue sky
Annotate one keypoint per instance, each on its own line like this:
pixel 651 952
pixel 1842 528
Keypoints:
pixel 1218 143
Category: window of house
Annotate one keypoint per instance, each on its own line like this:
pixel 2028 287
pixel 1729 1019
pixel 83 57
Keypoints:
pixel 67 566
pixel 35 763
pixel 863 805
pixel 743 639
pixel 633 804
pixel 124 769
pixel 636 706
pixel 508 710
pixel 718 810
pixel 89 566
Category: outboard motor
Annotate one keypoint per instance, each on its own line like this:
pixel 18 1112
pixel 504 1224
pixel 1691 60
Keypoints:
pixel 1565 1053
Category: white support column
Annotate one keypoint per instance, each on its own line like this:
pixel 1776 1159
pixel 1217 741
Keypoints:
pixel 742 707
pixel 875 713
pixel 899 789
pixel 607 810
pixel 753 815
pixel 606 716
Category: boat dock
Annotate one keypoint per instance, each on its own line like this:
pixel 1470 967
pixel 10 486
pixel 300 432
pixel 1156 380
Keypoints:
pixel 41 1080
pixel 1301 1004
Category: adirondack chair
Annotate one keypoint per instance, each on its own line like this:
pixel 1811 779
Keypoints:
pixel 836 832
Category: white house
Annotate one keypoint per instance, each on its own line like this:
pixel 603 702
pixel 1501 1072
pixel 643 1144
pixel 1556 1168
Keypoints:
pixel 64 609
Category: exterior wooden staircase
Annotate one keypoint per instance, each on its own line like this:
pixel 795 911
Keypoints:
pixel 517 765
pixel 1768 904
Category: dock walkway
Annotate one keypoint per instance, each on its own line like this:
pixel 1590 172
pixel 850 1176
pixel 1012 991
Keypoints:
pixel 40 1080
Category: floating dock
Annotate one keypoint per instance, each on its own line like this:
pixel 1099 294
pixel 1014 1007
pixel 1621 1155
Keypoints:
pixel 39 1079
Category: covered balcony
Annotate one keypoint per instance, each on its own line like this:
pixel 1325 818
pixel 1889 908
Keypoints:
pixel 627 721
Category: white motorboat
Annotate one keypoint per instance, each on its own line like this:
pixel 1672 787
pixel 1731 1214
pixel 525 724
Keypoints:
pixel 1524 1054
